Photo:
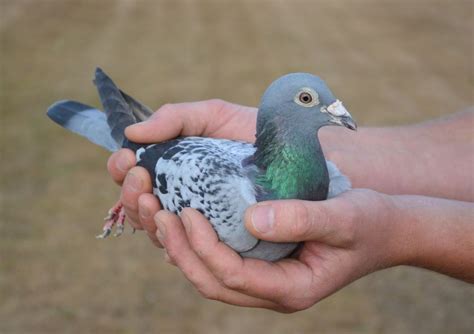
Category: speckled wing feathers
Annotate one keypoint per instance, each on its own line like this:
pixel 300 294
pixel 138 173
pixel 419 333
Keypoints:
pixel 207 174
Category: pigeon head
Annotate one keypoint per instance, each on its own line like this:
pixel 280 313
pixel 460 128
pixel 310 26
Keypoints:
pixel 302 101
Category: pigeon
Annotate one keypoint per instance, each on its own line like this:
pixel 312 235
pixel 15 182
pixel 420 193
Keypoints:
pixel 221 178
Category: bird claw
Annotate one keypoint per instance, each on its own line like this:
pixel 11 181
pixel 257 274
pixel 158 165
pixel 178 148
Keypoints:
pixel 119 230
pixel 115 217
pixel 110 215
pixel 104 234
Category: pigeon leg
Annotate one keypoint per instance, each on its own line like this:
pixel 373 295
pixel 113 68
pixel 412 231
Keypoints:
pixel 115 216
pixel 120 222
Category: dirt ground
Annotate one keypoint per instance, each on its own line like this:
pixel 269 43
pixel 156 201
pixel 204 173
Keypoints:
pixel 392 62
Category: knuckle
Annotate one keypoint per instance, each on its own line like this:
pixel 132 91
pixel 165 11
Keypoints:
pixel 348 224
pixel 233 281
pixel 167 107
pixel 216 104
pixel 205 288
pixel 129 202
pixel 206 291
pixel 349 221
pixel 301 226
pixel 338 229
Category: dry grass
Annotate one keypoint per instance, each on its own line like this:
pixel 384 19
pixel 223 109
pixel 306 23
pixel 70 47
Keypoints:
pixel 393 62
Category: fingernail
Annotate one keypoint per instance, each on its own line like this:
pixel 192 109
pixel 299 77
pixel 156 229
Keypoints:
pixel 263 218
pixel 186 222
pixel 144 212
pixel 161 231
pixel 133 182
pixel 123 164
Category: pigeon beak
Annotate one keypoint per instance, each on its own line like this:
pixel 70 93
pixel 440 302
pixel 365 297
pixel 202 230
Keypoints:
pixel 339 115
pixel 349 123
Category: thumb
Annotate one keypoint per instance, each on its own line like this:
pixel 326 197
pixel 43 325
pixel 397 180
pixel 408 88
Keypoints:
pixel 172 120
pixel 330 221
pixel 164 124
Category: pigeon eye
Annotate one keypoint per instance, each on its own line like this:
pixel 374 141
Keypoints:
pixel 307 97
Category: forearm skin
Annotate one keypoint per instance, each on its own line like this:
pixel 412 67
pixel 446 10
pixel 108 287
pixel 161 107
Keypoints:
pixel 435 234
pixel 434 158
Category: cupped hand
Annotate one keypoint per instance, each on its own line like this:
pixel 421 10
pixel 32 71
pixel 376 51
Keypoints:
pixel 211 118
pixel 344 238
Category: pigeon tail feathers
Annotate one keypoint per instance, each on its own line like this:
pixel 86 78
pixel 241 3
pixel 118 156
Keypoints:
pixel 84 120
pixel 117 110
pixel 104 129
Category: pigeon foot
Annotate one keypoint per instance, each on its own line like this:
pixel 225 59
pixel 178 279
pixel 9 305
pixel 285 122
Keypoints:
pixel 115 217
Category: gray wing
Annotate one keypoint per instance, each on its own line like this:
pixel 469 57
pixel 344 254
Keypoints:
pixel 207 175
pixel 85 121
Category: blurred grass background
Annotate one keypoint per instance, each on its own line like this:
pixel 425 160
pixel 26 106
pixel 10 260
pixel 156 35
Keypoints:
pixel 392 62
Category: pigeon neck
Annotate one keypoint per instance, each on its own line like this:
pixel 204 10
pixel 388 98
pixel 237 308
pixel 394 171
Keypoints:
pixel 292 165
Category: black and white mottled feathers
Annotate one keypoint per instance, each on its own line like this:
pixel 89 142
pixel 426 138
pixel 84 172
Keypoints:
pixel 209 175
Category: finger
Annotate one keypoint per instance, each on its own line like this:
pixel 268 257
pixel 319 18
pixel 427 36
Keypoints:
pixel 136 182
pixel 120 163
pixel 148 206
pixel 172 236
pixel 330 221
pixel 172 120
pixel 280 282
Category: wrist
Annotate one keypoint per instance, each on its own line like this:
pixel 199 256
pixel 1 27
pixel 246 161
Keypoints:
pixel 403 245
pixel 390 231
pixel 433 233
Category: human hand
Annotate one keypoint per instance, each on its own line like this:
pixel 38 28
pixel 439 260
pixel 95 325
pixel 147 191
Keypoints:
pixel 344 238
pixel 211 118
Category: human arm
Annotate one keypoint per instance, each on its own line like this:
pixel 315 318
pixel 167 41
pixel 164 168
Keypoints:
pixel 436 234
pixel 345 238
